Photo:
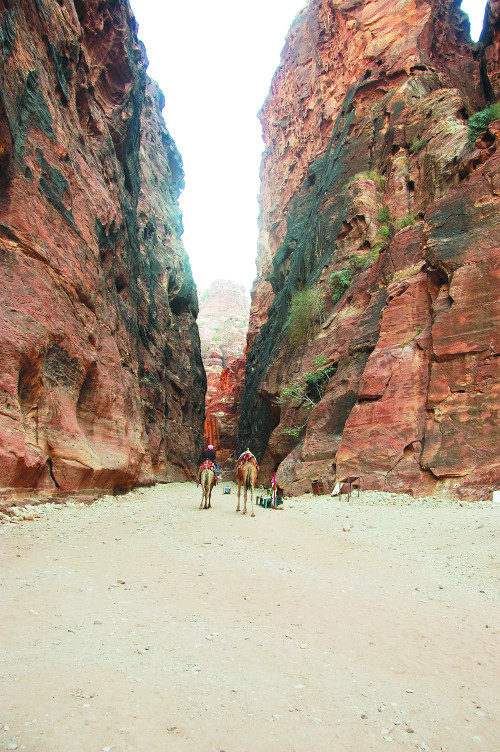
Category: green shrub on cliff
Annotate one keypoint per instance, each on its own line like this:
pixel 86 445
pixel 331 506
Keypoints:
pixel 295 431
pixel 417 145
pixel 339 282
pixel 358 263
pixel 306 311
pixel 384 215
pixel 480 121
pixel 406 221
pixel 311 391
pixel 414 336
pixel 373 175
pixel 293 392
pixel 317 380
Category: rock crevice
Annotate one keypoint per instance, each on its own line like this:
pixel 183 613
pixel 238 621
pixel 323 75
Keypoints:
pixel 223 323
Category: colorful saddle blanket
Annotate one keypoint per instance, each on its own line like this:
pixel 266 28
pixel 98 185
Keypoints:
pixel 208 465
pixel 247 457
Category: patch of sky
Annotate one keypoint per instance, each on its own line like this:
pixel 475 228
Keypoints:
pixel 475 10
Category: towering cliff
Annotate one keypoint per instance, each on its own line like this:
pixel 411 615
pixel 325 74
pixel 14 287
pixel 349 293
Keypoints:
pixel 374 331
pixel 223 323
pixel 101 383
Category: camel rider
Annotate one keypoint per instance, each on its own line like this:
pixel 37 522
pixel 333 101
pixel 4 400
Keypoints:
pixel 209 454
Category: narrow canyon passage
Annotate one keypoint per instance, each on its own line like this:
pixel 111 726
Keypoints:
pixel 143 623
pixel 374 317
pixel 223 325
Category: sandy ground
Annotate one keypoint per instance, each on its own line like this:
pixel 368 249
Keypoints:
pixel 142 623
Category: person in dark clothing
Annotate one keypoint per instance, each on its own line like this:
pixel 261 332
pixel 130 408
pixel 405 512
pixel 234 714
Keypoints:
pixel 209 454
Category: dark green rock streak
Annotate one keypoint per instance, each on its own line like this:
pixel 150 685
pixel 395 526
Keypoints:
pixel 309 244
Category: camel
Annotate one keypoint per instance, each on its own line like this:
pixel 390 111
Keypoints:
pixel 207 481
pixel 246 476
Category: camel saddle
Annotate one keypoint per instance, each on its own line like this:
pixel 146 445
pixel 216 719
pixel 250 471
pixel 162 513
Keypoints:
pixel 208 465
pixel 247 457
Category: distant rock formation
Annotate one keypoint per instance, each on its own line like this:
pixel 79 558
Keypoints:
pixel 374 201
pixel 223 323
pixel 101 383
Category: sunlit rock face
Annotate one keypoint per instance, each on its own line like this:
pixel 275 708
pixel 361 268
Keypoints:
pixel 223 322
pixel 101 383
pixel 368 175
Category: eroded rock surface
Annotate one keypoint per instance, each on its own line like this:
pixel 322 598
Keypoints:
pixel 223 322
pixel 102 384
pixel 368 176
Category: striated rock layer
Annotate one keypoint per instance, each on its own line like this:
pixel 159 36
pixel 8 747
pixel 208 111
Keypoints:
pixel 223 323
pixel 101 383
pixel 373 200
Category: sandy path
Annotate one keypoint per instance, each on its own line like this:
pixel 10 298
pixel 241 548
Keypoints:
pixel 142 623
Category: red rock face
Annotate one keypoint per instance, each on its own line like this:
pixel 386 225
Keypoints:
pixel 368 176
pixel 223 323
pixel 102 384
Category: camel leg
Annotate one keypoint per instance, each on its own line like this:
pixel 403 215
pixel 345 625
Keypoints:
pixel 245 500
pixel 239 491
pixel 251 499
pixel 210 498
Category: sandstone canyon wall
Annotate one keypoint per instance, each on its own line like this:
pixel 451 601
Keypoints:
pixel 101 381
pixel 374 202
pixel 223 323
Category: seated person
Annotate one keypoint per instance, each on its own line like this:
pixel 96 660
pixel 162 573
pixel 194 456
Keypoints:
pixel 209 454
